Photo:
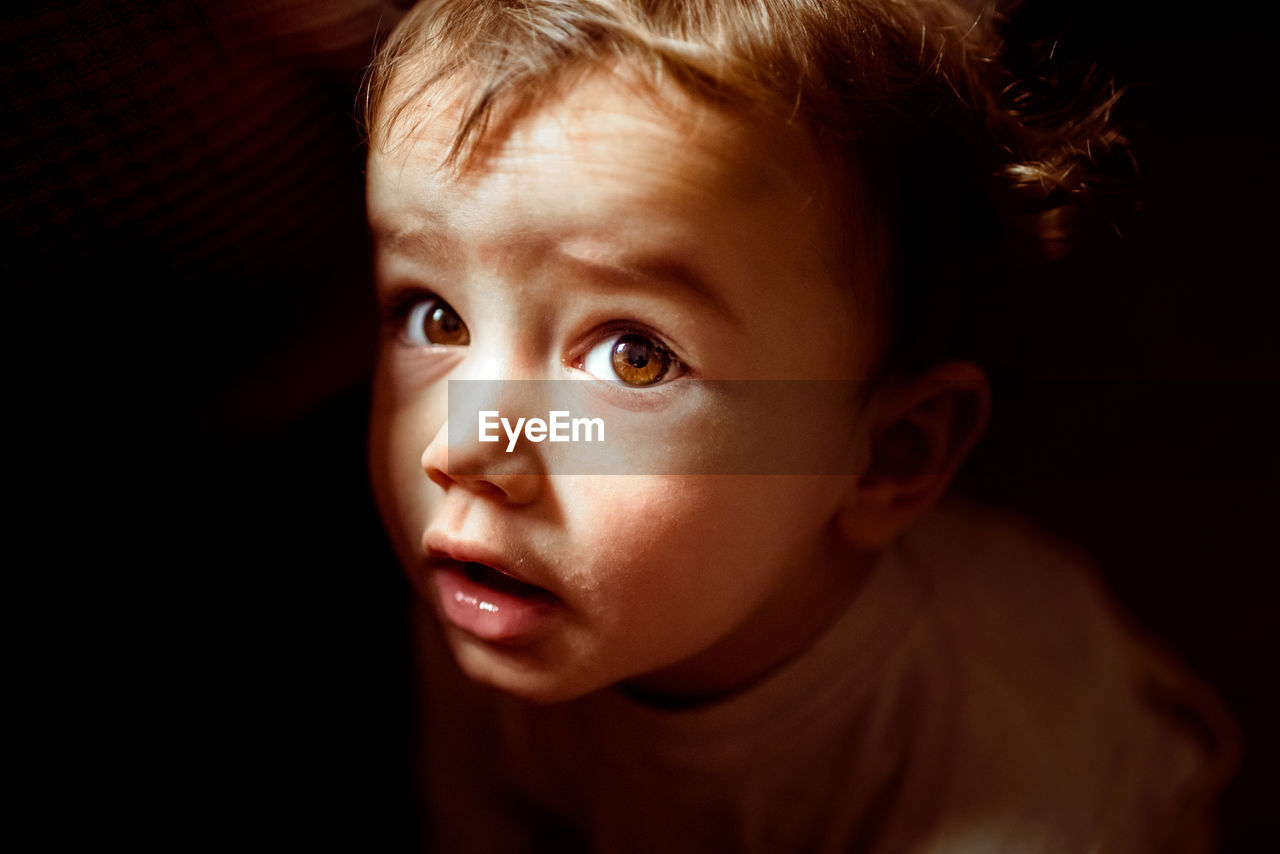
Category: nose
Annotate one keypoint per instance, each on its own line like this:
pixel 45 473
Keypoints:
pixel 460 461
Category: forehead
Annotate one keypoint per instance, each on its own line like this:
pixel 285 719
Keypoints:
pixel 581 107
pixel 626 140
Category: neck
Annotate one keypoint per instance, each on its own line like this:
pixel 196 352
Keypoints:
pixel 783 628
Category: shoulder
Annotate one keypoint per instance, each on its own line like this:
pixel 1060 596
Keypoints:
pixel 1073 731
pixel 1013 597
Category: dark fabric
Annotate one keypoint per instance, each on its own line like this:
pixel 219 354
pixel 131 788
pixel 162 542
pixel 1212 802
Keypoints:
pixel 210 628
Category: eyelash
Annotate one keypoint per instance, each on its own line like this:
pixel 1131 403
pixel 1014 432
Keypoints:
pixel 398 310
pixel 396 307
pixel 612 332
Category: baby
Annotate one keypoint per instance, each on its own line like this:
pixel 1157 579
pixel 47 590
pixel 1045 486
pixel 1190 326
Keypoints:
pixel 662 216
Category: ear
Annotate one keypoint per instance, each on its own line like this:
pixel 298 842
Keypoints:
pixel 921 430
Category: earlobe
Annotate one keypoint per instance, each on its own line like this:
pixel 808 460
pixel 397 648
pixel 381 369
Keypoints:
pixel 922 430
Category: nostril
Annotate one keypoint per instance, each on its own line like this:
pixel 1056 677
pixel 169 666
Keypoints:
pixel 486 487
pixel 439 478
pixel 493 485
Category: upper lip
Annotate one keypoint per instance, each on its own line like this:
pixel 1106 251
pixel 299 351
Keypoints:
pixel 439 548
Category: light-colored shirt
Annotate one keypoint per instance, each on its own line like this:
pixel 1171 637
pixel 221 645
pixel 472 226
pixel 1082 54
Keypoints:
pixel 980 694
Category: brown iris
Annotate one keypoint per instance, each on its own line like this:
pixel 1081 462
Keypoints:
pixel 638 360
pixel 437 323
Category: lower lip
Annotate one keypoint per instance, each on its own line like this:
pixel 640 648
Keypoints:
pixel 489 614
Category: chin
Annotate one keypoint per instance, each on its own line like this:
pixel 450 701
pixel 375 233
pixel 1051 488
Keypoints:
pixel 518 675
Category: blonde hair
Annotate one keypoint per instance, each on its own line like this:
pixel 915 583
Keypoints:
pixel 912 95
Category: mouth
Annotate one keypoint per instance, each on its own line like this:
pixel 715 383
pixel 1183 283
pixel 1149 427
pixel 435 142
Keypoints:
pixel 491 605
pixel 495 579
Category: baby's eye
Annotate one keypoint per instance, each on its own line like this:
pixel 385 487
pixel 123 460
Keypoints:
pixel 433 321
pixel 636 359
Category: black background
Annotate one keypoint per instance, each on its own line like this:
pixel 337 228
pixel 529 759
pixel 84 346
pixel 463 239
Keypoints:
pixel 210 637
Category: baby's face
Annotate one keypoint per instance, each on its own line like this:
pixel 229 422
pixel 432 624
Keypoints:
pixel 609 237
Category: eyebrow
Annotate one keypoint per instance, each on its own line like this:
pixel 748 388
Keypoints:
pixel 654 270
pixel 422 239
pixel 430 240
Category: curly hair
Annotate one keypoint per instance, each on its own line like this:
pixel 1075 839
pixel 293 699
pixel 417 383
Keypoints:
pixel 965 164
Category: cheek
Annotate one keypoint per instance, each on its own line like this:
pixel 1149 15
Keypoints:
pixel 403 420
pixel 695 549
pixel 406 411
